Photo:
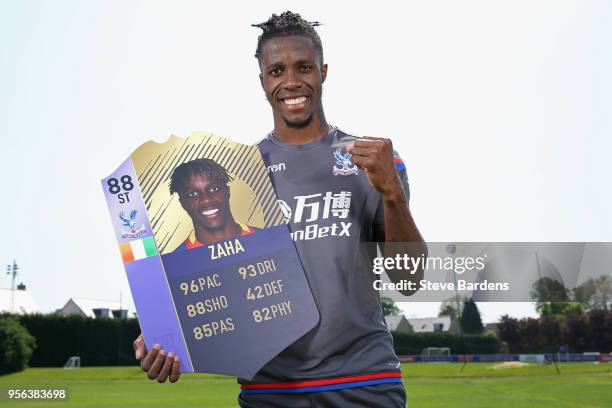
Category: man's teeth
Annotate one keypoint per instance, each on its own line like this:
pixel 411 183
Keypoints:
pixel 210 212
pixel 294 101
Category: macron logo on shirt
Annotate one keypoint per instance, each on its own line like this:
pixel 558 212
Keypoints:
pixel 273 168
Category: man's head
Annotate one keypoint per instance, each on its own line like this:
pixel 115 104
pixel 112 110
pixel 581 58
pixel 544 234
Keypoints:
pixel 291 66
pixel 285 25
pixel 202 186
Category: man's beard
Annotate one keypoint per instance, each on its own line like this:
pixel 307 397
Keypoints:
pixel 299 125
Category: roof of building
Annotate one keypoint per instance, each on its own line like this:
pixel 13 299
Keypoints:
pixel 493 327
pixel 23 302
pixel 393 322
pixel 427 324
pixel 87 305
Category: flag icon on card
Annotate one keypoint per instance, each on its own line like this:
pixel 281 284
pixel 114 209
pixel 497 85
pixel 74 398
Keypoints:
pixel 137 249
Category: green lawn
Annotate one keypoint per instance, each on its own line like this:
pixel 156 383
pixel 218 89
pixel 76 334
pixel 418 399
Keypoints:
pixel 428 385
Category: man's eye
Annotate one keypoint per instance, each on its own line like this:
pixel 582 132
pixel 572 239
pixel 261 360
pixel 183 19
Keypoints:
pixel 276 71
pixel 192 194
pixel 213 189
pixel 305 68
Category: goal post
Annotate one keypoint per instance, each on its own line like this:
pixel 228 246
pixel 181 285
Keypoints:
pixel 73 363
pixel 436 351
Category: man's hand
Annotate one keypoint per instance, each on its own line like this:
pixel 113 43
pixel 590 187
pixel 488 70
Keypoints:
pixel 157 363
pixel 375 156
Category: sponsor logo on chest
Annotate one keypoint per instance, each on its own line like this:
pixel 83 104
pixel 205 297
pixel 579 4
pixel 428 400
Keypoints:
pixel 318 215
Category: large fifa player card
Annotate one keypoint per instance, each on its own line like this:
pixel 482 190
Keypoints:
pixel 211 265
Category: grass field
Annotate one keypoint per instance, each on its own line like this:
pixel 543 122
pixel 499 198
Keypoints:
pixel 427 385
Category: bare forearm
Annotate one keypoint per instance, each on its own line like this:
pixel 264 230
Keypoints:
pixel 401 236
pixel 399 225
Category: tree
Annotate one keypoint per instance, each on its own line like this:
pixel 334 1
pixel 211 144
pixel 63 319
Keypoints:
pixel 509 331
pixel 595 293
pixel 452 307
pixel 551 331
pixel 470 318
pixel 560 309
pixel 576 333
pixel 546 290
pixel 16 345
pixel 553 299
pixel 388 307
pixel 448 310
pixel 600 330
pixel 591 331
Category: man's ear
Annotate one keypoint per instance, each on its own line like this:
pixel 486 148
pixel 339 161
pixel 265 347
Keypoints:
pixel 323 73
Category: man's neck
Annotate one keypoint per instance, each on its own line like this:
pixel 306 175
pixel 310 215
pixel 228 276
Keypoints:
pixel 206 236
pixel 316 130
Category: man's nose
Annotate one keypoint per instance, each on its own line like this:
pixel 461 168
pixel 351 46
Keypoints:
pixel 292 81
pixel 206 198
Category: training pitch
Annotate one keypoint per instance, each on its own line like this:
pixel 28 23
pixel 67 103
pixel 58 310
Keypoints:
pixel 427 385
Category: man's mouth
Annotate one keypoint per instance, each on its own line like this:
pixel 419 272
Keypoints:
pixel 210 212
pixel 294 101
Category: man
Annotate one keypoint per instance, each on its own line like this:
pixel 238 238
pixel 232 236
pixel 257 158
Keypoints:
pixel 202 187
pixel 340 191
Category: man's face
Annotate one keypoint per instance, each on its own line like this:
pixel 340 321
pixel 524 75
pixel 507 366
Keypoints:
pixel 292 77
pixel 206 201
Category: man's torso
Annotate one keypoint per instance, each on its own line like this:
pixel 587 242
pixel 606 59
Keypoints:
pixel 331 208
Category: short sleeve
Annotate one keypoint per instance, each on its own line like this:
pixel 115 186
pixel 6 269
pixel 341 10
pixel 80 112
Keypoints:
pixel 379 217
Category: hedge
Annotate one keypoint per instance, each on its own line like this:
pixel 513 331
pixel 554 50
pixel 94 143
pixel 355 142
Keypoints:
pixel 99 342
pixel 414 343
pixel 108 342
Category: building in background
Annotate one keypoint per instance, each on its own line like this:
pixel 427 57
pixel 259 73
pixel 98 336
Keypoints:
pixel 398 324
pixel 94 308
pixel 492 328
pixel 19 301
pixel 434 324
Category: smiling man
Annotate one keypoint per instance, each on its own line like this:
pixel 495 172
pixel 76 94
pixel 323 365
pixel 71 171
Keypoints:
pixel 337 192
pixel 202 187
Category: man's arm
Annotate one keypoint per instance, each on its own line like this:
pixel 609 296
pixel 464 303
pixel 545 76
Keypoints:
pixel 375 157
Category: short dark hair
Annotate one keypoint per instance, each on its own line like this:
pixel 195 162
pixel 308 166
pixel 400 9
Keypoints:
pixel 197 167
pixel 286 24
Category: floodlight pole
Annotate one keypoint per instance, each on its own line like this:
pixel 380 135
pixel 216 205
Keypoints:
pixel 12 270
pixel 451 249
